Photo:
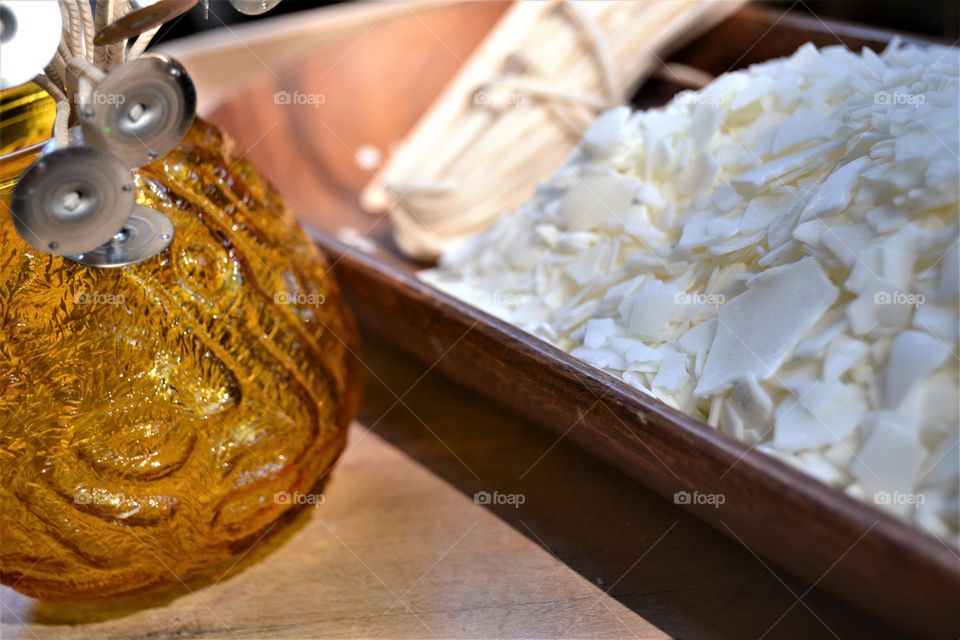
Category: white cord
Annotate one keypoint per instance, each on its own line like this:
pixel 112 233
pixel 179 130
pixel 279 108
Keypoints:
pixel 79 65
pixel 61 130
pixel 86 15
pixel 141 43
pixel 76 67
pixel 115 51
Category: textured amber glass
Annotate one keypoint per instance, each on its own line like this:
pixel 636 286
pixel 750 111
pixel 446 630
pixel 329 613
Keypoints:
pixel 154 416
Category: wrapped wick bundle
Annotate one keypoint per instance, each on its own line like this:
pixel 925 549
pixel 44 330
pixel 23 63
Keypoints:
pixel 518 107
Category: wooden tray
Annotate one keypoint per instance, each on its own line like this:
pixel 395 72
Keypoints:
pixel 376 81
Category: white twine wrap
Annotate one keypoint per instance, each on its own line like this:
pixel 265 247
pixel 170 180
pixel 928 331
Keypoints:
pixel 487 141
pixel 79 64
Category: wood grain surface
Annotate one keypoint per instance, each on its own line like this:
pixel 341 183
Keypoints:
pixel 399 549
pixel 376 85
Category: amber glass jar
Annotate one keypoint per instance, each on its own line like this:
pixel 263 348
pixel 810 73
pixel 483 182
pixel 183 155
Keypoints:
pixel 157 419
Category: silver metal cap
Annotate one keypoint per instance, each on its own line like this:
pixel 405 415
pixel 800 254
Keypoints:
pixel 72 200
pixel 254 7
pixel 146 233
pixel 140 110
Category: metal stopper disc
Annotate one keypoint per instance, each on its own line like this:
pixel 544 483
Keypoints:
pixel 146 233
pixel 146 15
pixel 72 200
pixel 254 7
pixel 140 110
pixel 29 37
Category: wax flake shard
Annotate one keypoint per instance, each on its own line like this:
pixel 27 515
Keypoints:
pixel 880 308
pixel 672 373
pixel 760 212
pixel 938 321
pixel 598 331
pixel 821 469
pixel 841 355
pixel 648 313
pixel 890 459
pixel 598 201
pixel 816 344
pixel 699 174
pixel 606 132
pixel 751 402
pixel 725 198
pixel 834 195
pixel 705 228
pixel 803 127
pixel 699 337
pixel 913 355
pixel 776 169
pixel 898 255
pixel 635 350
pixel 824 414
pixel 759 328
pixel 943 465
pixel 846 241
pixel 949 288
pixel 600 358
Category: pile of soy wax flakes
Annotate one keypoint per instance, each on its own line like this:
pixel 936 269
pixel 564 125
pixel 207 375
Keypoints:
pixel 775 254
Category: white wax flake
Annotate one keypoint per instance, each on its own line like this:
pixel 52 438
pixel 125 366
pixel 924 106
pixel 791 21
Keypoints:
pixel 751 402
pixel 841 355
pixel 672 372
pixel 885 218
pixel 600 358
pixel 699 174
pixel 776 255
pixel 760 212
pixel 606 132
pixel 775 169
pixel 939 321
pixel 835 193
pixel 824 414
pixel 705 228
pixel 597 201
pixel 815 344
pixel 803 127
pixel 635 350
pixel 821 469
pixel 943 465
pixel 880 309
pixel 755 88
pixel 759 328
pixel 949 288
pixel 913 355
pixel 810 232
pixel 890 459
pixel 846 241
pixel 699 337
pixel 725 198
pixel 898 254
pixel 598 331
pixel 647 314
